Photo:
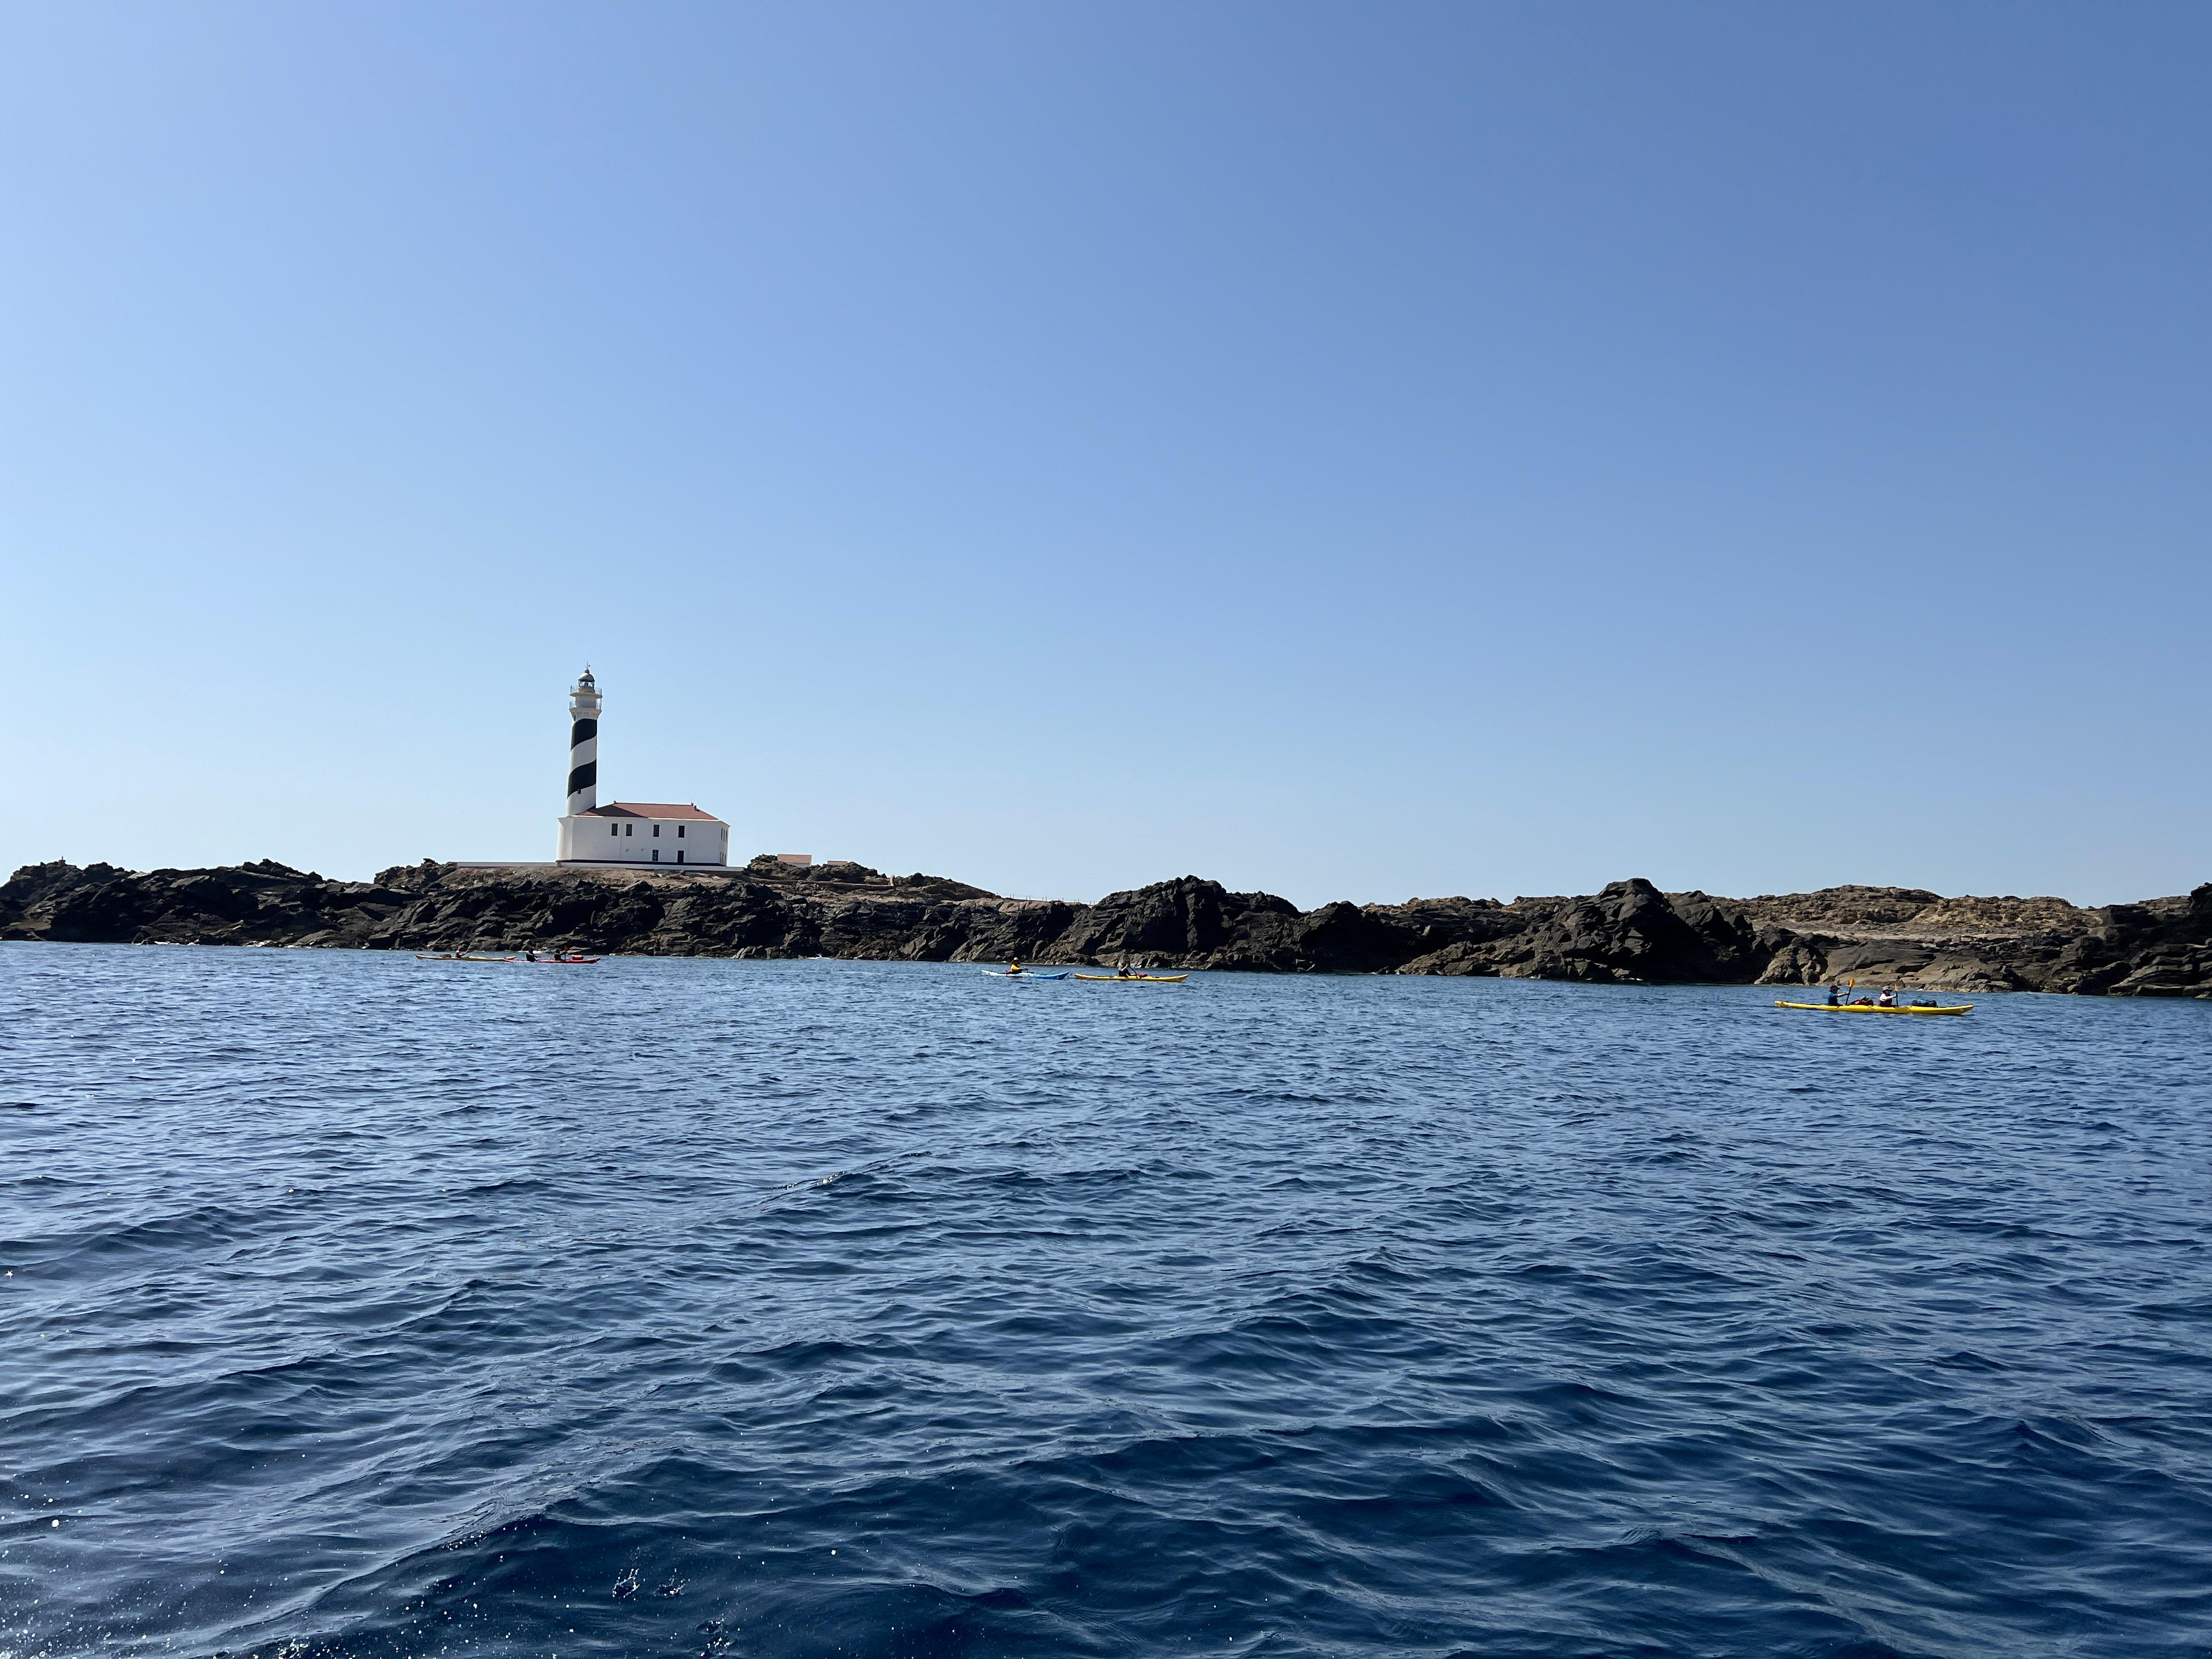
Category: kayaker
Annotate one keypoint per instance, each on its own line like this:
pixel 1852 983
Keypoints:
pixel 1833 1000
pixel 530 956
pixel 1014 967
pixel 1887 999
pixel 1122 972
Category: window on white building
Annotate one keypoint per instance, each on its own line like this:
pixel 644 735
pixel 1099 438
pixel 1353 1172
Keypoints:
pixel 614 829
pixel 679 832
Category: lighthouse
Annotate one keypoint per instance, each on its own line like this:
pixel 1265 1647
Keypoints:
pixel 583 744
pixel 626 832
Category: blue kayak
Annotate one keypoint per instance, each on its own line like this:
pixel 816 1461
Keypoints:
pixel 997 973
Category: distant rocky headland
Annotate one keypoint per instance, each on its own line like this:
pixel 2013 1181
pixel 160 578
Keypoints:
pixel 1630 934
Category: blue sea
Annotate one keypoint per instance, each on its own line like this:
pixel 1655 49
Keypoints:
pixel 361 1306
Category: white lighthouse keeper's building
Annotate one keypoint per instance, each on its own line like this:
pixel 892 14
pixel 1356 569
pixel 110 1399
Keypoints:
pixel 626 831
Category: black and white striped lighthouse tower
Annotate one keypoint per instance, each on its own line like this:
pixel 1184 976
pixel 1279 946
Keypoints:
pixel 583 744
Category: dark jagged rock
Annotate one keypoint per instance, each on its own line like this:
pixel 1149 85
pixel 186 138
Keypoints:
pixel 263 903
pixel 1885 935
pixel 1629 934
pixel 2159 949
pixel 1180 921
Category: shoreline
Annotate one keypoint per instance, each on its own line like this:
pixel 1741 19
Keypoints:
pixel 1629 934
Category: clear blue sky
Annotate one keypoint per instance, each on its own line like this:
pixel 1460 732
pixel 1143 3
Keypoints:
pixel 1350 451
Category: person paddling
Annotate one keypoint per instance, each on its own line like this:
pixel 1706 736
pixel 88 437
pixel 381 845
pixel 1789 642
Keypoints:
pixel 1013 967
pixel 1833 1000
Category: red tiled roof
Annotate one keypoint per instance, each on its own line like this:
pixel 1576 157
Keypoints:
pixel 648 809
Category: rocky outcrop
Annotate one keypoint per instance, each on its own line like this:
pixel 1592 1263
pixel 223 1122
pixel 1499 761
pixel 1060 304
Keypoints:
pixel 1920 939
pixel 264 903
pixel 765 910
pixel 1630 934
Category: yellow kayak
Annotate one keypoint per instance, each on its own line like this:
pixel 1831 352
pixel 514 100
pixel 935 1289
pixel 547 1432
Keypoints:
pixel 1869 1008
pixel 1134 979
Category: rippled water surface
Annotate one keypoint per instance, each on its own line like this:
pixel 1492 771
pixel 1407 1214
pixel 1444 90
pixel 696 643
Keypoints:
pixel 363 1306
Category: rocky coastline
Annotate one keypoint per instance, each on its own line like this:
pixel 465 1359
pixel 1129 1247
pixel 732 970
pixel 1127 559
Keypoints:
pixel 1630 934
